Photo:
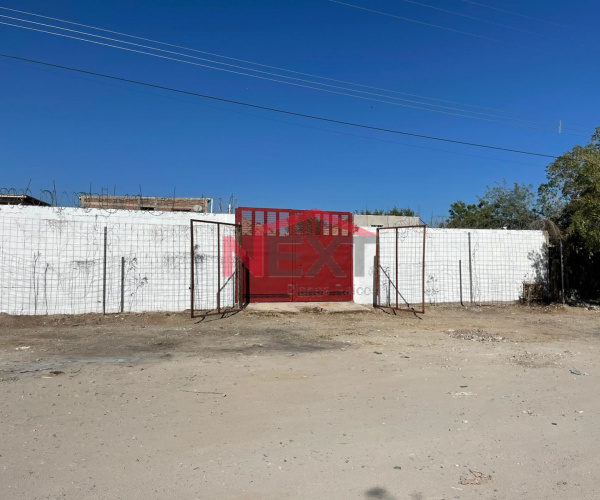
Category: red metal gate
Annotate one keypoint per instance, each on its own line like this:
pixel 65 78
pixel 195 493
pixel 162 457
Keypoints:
pixel 296 255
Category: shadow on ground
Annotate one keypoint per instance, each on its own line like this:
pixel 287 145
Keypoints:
pixel 378 493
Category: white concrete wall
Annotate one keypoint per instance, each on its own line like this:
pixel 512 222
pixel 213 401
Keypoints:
pixel 51 260
pixel 112 216
pixel 364 255
pixel 500 262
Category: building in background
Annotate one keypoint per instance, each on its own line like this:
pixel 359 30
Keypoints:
pixel 22 199
pixel 147 203
pixel 385 220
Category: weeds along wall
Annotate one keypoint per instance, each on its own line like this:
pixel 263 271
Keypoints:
pixel 52 260
pixel 494 264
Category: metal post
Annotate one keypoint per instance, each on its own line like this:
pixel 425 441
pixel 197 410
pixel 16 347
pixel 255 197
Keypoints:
pixel 396 266
pixel 562 272
pixel 470 270
pixel 423 272
pixel 192 268
pixel 238 267
pixel 104 274
pixel 218 267
pixel 376 298
pixel 375 280
pixel 460 280
pixel 122 284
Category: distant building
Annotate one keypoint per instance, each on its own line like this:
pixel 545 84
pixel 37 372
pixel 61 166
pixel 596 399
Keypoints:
pixel 22 199
pixel 385 220
pixel 147 203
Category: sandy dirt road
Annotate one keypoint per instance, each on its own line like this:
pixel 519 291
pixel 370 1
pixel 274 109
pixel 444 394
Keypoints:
pixel 460 404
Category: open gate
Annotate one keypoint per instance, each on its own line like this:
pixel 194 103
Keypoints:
pixel 216 272
pixel 400 268
pixel 296 255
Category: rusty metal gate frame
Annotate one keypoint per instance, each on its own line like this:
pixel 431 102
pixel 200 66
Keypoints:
pixel 378 269
pixel 239 267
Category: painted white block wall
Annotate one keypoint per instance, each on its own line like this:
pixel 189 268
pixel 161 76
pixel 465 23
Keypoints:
pixel 501 260
pixel 364 255
pixel 51 260
pixel 113 216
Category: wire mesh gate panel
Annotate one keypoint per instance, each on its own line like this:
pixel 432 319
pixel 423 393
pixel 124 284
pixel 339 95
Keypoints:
pixel 400 268
pixel 215 270
pixel 297 255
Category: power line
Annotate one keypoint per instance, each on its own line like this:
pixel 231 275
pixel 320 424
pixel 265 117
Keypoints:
pixel 277 110
pixel 446 110
pixel 287 122
pixel 514 13
pixel 474 18
pixel 296 72
pixel 264 77
pixel 436 26
pixel 251 69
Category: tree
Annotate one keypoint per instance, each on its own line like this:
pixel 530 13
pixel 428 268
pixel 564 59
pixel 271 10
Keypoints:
pixel 366 211
pixel 571 195
pixel 501 206
pixel 403 212
pixel 473 215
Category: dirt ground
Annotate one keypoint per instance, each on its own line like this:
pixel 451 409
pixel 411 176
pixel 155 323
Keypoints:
pixel 475 403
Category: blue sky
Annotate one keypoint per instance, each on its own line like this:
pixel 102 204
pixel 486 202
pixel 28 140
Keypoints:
pixel 78 130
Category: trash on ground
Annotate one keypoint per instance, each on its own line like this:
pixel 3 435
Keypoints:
pixel 475 335
pixel 577 372
pixel 461 394
pixel 475 477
